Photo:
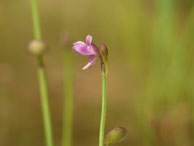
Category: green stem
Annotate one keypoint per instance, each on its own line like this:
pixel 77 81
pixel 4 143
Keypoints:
pixel 35 18
pixel 45 106
pixel 42 79
pixel 68 102
pixel 103 112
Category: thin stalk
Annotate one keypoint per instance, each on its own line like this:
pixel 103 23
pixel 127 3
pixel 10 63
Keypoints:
pixel 68 102
pixel 45 106
pixel 35 19
pixel 42 79
pixel 103 112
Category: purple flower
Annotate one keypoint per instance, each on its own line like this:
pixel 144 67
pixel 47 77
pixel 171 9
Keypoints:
pixel 89 49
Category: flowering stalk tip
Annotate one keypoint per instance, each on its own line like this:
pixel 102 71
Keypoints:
pixel 92 51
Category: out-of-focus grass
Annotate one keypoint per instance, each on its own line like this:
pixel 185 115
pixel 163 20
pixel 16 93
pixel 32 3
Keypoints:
pixel 151 76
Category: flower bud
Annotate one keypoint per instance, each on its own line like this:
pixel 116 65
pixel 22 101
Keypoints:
pixel 117 134
pixel 104 51
pixel 104 59
pixel 37 47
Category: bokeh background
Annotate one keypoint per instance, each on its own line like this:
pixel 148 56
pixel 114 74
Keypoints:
pixel 151 75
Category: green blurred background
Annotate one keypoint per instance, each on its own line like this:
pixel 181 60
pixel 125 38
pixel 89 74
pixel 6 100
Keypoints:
pixel 151 77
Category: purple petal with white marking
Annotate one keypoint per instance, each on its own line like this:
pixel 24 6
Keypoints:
pixel 92 60
pixel 89 40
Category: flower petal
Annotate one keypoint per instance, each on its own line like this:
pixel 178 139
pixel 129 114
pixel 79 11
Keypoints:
pixel 92 60
pixel 95 49
pixel 78 43
pixel 82 48
pixel 89 40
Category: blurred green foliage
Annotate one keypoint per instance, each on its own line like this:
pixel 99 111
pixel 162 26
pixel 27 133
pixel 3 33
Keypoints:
pixel 151 77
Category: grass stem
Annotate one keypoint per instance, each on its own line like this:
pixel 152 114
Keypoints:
pixel 103 112
pixel 45 106
pixel 68 102
pixel 42 79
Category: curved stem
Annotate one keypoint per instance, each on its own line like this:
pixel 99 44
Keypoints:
pixel 42 79
pixel 103 112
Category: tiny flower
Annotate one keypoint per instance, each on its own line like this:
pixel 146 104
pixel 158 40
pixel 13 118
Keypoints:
pixel 88 49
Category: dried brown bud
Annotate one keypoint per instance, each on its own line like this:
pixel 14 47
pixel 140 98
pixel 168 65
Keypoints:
pixel 37 47
pixel 104 50
pixel 104 59
pixel 66 40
